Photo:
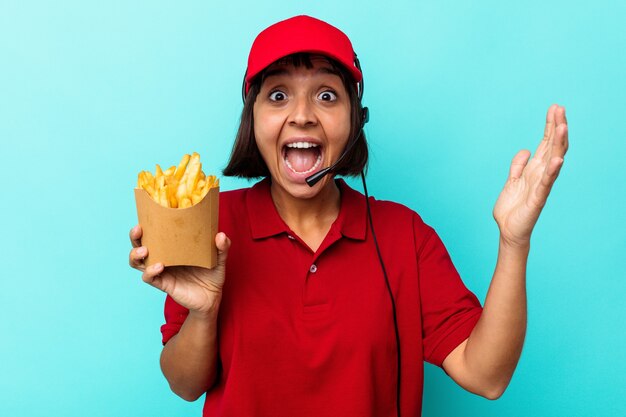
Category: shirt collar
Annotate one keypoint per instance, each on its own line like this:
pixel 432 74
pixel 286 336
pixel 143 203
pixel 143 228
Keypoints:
pixel 265 220
pixel 352 220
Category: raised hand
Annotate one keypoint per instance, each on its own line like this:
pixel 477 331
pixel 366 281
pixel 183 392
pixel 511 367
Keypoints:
pixel 530 181
pixel 198 289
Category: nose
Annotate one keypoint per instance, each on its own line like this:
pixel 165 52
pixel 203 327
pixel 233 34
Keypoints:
pixel 303 112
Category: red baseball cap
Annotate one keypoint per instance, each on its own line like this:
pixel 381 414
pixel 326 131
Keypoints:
pixel 300 34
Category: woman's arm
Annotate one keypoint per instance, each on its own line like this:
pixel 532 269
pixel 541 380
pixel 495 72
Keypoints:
pixel 484 363
pixel 189 359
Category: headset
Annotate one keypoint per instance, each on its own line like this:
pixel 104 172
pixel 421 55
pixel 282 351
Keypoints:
pixel 315 178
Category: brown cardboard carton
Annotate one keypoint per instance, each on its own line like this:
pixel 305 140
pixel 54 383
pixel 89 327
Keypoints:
pixel 176 236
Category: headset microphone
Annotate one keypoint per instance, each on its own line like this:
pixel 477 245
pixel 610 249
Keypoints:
pixel 315 178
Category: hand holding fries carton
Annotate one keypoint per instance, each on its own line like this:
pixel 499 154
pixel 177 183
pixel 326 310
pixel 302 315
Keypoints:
pixel 178 212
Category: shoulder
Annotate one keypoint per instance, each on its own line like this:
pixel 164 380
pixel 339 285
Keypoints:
pixel 392 208
pixel 233 202
pixel 237 206
pixel 397 214
pixel 393 218
pixel 241 196
pixel 401 222
pixel 233 197
pixel 233 209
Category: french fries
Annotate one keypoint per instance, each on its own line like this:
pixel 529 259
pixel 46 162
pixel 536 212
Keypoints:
pixel 178 187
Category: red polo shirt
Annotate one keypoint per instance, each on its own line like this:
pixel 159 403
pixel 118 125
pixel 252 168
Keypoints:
pixel 310 334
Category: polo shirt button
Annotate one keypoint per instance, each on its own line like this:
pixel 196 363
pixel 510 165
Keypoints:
pixel 290 237
pixel 313 269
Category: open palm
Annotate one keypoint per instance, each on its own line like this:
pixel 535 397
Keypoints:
pixel 530 180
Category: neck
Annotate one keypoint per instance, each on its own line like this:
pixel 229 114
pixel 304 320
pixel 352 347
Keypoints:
pixel 310 218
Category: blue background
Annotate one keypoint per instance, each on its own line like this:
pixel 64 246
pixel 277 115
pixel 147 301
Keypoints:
pixel 92 92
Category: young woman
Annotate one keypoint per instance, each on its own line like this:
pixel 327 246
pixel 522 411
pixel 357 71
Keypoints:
pixel 325 305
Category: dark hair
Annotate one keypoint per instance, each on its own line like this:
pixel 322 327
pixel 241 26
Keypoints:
pixel 246 160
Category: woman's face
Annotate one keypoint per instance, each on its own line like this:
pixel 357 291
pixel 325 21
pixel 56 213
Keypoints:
pixel 301 123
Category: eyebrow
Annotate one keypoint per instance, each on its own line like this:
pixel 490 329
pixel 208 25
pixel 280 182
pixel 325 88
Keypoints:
pixel 275 72
pixel 331 71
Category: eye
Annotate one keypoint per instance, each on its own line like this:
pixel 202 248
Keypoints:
pixel 327 96
pixel 277 96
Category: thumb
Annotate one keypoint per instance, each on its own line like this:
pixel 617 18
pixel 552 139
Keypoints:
pixel 518 164
pixel 223 245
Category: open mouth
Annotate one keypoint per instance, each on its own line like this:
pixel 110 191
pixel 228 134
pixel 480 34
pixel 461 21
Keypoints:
pixel 302 157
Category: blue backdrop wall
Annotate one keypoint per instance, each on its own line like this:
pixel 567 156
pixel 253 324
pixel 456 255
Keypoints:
pixel 92 92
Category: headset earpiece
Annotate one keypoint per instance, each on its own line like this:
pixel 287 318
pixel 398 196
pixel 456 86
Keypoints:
pixel 360 84
pixel 243 87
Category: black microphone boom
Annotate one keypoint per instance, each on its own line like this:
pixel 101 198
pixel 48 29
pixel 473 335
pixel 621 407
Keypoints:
pixel 314 179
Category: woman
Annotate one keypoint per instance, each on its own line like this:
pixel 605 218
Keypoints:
pixel 301 315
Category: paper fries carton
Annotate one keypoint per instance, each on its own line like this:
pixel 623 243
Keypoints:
pixel 179 236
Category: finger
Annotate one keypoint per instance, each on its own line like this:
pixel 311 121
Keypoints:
pixel 548 132
pixel 560 143
pixel 137 257
pixel 559 115
pixel 561 136
pixel 151 275
pixel 550 120
pixel 554 168
pixel 518 164
pixel 223 245
pixel 135 236
pixel 550 175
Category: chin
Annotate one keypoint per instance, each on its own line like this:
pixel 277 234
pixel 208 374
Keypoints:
pixel 300 189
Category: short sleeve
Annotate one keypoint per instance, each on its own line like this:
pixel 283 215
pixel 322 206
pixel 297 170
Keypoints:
pixel 175 316
pixel 449 310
